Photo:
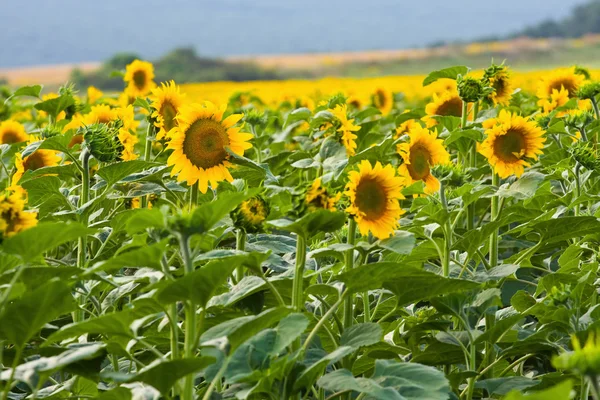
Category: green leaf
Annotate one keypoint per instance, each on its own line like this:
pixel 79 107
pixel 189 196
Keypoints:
pixel 562 391
pixel 310 375
pixel 56 105
pixel 472 134
pixel 401 243
pixel 504 385
pixel 200 285
pixel 24 317
pixel 118 393
pixel 312 223
pixel 553 230
pixel 525 187
pixel 262 169
pixel 146 256
pixel 208 214
pixel 113 173
pixel 409 284
pixel 163 375
pixel 33 242
pixel 360 335
pixel 141 219
pixel 299 114
pixel 236 331
pixel 33 91
pixel 449 73
pixel 139 102
pixel 289 328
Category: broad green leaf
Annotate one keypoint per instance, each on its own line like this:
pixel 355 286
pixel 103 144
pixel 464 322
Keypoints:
pixel 360 335
pixel 262 169
pixel 32 91
pixel 504 385
pixel 289 328
pixel 113 173
pixel 145 256
pixel 33 242
pixel 553 230
pixel 208 214
pixel 401 242
pixel 310 375
pixel 562 391
pixel 312 223
pixel 448 73
pixel 25 316
pixel 299 114
pixel 56 105
pixel 118 393
pixel 163 375
pixel 525 187
pixel 143 219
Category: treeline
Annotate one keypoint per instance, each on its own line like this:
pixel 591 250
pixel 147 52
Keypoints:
pixel 182 65
pixel 584 19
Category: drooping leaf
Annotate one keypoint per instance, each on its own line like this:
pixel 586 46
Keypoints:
pixel 312 223
pixel 448 73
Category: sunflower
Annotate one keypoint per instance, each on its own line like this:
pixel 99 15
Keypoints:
pixel 510 140
pixel 317 197
pixel 200 141
pixel 12 132
pixel 565 78
pixel 423 151
pixel 166 101
pixel 139 77
pixel 251 214
pixel 100 114
pixel 93 94
pixel 13 217
pixel 405 126
pixel 503 87
pixel 558 98
pixel 346 128
pixel 37 159
pixel 354 102
pixel 446 104
pixel 383 99
pixel 374 194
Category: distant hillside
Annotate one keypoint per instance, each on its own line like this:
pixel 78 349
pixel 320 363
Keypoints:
pixel 584 20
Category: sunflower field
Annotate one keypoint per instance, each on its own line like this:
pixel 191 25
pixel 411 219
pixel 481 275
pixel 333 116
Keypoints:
pixel 420 238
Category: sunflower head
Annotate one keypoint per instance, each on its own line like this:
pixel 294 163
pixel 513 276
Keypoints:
pixel 12 132
pixel 255 118
pixel 420 154
pixel 579 118
pixel 565 78
pixel 375 194
pixel 451 174
pixel 13 217
pixel 93 94
pixel 383 99
pixel 139 77
pixel 318 197
pixel 36 160
pixel 103 141
pixel 251 214
pixel 69 90
pixel 511 140
pixel 200 143
pixel 499 80
pixel 166 101
pixel 586 155
pixel 558 98
pixel 345 127
pixel 446 104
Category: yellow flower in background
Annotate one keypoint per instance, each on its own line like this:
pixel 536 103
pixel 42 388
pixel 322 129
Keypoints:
pixel 510 141
pixel 100 114
pixel 423 151
pixel 405 126
pixel 36 160
pixel 317 197
pixel 12 132
pixel 446 104
pixel 558 98
pixel 374 194
pixel 200 143
pixel 166 100
pixel 13 217
pixel 354 102
pixel 503 87
pixel 346 128
pixel 383 99
pixel 139 77
pixel 564 78
pixel 93 94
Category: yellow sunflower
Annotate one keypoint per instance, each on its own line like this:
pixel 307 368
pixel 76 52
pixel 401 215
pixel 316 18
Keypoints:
pixel 12 132
pixel 503 87
pixel 565 78
pixel 405 126
pixel 346 128
pixel 317 197
pixel 37 159
pixel 200 143
pixel 354 102
pixel 166 101
pixel 13 217
pixel 510 140
pixel 383 99
pixel 139 77
pixel 446 104
pixel 374 194
pixel 558 98
pixel 93 94
pixel 423 151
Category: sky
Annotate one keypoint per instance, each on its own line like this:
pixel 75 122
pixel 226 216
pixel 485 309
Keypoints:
pixel 37 32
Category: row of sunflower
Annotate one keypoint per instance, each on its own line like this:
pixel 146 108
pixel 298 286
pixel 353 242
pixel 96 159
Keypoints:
pixel 406 197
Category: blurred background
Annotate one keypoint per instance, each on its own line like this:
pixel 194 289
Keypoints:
pixel 236 40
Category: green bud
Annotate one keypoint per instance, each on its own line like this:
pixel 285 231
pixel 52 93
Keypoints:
pixel 589 90
pixel 103 142
pixel 255 118
pixel 472 90
pixel 579 119
pixel 543 121
pixel 451 174
pixel 69 90
pixel 586 155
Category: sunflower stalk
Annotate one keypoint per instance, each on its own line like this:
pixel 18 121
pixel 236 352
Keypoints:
pixel 79 315
pixel 348 305
pixel 148 155
pixel 190 318
pixel 493 216
pixel 297 291
pixel 595 105
pixel 447 232
pixel 240 245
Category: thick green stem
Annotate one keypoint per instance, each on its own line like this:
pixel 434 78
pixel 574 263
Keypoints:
pixel 577 188
pixel 494 216
pixel 297 290
pixel 148 154
pixel 594 386
pixel 472 165
pixel 464 115
pixel 348 305
pixel 84 197
pixel 596 109
pixel 12 373
pixel 190 319
pixel 193 196
pixel 240 244
pixel 447 234
pixel 216 380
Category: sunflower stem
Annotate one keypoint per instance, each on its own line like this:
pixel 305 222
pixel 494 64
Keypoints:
pixel 297 290
pixel 464 115
pixel 79 315
pixel 348 305
pixel 193 196
pixel 594 386
pixel 240 244
pixel 447 233
pixel 148 155
pixel 596 109
pixel 493 216
pixel 190 318
pixel 577 188
pixel 472 166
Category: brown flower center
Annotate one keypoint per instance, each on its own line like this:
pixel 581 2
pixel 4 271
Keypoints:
pixel 380 99
pixel 567 84
pixel 34 161
pixel 139 79
pixel 205 142
pixel 10 137
pixel 371 198
pixel 419 167
pixel 451 107
pixel 511 146
pixel 168 112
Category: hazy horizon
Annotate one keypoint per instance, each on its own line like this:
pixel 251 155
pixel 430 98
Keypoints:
pixel 35 31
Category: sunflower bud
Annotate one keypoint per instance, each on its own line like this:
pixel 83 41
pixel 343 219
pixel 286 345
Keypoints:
pixel 103 142
pixel 451 174
pixel 69 90
pixel 543 120
pixel 585 155
pixel 584 360
pixel 251 214
pixel 255 118
pixel 589 90
pixel 579 118
pixel 49 131
pixel 472 90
